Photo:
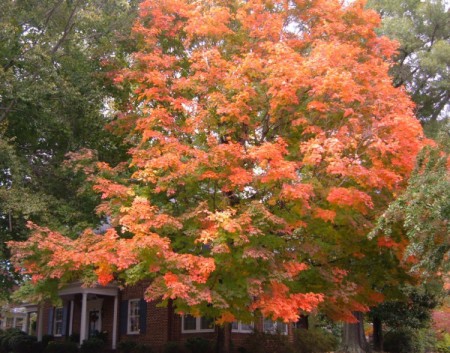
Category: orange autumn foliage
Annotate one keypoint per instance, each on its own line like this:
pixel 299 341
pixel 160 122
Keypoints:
pixel 261 131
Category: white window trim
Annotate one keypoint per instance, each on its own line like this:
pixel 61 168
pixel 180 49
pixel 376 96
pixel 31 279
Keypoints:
pixel 197 326
pixel 285 332
pixel 129 332
pixel 241 330
pixel 55 321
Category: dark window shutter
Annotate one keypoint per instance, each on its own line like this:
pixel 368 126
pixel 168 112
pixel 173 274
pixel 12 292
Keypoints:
pixel 64 319
pixel 123 316
pixel 50 321
pixel 143 316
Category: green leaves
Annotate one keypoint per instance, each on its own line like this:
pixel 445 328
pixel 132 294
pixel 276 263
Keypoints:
pixel 54 58
pixel 423 211
pixel 423 59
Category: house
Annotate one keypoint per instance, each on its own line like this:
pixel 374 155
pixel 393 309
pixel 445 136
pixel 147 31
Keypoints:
pixel 123 315
pixel 22 317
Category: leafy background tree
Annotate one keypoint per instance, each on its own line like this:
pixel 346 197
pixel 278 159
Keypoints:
pixel 55 97
pixel 422 63
pixel 422 67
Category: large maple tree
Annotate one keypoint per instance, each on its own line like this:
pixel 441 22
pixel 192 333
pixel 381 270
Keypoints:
pixel 267 138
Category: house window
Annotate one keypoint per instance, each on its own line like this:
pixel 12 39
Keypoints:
pixel 58 322
pixel 238 326
pixel 192 324
pixel 9 322
pixel 133 316
pixel 275 327
pixel 19 323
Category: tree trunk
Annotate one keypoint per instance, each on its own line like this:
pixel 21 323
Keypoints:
pixel 354 340
pixel 303 322
pixel 377 334
pixel 224 339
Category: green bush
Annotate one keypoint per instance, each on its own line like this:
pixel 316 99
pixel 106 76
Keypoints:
pixel 101 335
pixel 443 345
pixel 46 339
pixel 259 342
pixel 198 345
pixel 133 347
pixel 22 343
pixel 38 347
pixel 409 341
pixel 173 347
pixel 92 345
pixel 315 340
pixel 61 347
pixel 126 346
pixel 398 342
pixel 16 341
pixel 142 348
pixel 74 337
pixel 7 337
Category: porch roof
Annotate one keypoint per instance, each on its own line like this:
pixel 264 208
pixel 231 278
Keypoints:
pixel 110 289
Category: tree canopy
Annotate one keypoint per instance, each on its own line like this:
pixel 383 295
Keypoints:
pixel 266 139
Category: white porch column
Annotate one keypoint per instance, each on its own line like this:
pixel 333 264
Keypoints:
pixel 71 318
pixel 26 324
pixel 116 312
pixel 83 318
pixel 40 319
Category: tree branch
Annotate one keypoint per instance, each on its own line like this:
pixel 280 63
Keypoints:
pixel 67 29
pixel 50 13
pixel 7 110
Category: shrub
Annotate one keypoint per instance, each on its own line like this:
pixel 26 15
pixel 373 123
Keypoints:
pixel 398 342
pixel 172 347
pixel 409 341
pixel 74 337
pixel 133 347
pixel 198 345
pixel 315 340
pixel 61 347
pixel 92 345
pixel 16 341
pixel 259 342
pixel 443 345
pixel 22 343
pixel 7 337
pixel 38 347
pixel 46 339
pixel 126 346
pixel 101 335
pixel 142 348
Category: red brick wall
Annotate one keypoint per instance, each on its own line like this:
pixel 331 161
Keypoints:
pixel 107 318
pixel 157 319
pixel 76 322
pixel 45 317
